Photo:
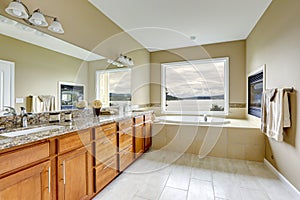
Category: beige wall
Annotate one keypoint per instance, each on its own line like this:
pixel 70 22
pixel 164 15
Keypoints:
pixel 38 70
pixel 234 50
pixel 275 42
pixel 140 75
pixel 85 26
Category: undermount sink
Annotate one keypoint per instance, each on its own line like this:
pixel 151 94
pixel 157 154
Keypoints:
pixel 31 130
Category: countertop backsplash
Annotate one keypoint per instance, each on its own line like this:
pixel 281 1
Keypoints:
pixel 42 118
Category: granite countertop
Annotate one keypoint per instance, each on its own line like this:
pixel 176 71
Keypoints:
pixel 66 127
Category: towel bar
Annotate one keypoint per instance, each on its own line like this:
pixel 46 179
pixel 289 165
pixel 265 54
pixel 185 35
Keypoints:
pixel 289 89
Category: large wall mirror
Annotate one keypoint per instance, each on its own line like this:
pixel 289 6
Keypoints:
pixel 41 61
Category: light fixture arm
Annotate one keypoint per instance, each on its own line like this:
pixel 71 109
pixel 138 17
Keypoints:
pixel 121 61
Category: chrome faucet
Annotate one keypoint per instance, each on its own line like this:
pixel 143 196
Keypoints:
pixel 24 117
pixel 10 111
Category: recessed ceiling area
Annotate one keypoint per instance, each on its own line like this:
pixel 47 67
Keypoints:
pixel 169 24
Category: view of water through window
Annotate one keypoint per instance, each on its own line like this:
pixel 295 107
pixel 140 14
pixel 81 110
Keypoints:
pixel 195 86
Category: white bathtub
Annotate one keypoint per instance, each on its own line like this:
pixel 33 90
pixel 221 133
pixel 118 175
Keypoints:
pixel 191 120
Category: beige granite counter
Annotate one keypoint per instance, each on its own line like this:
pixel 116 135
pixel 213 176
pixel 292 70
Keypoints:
pixel 66 127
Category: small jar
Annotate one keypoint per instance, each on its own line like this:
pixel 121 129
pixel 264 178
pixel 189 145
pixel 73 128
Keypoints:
pixel 54 117
pixel 68 116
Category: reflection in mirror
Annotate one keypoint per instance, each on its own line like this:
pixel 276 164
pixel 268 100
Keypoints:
pixel 6 84
pixel 114 86
pixel 69 95
pixel 25 33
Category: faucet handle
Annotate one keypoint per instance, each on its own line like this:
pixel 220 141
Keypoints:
pixel 23 110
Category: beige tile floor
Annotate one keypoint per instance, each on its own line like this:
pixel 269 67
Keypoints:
pixel 163 175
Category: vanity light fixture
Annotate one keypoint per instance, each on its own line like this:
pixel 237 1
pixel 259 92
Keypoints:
pixel 121 61
pixel 18 9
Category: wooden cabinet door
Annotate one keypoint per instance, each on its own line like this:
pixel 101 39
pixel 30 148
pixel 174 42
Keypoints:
pixel 73 175
pixel 148 135
pixel 32 183
pixel 139 140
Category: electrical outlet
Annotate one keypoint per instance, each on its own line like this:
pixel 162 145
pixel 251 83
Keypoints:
pixel 19 100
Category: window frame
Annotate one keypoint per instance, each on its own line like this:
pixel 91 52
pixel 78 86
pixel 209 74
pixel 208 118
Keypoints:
pixel 192 62
pixel 98 72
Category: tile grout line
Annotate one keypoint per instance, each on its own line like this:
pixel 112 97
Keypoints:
pixel 212 180
pixel 165 183
pixel 187 192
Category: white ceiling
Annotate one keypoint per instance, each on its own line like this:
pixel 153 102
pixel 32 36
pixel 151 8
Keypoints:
pixel 168 24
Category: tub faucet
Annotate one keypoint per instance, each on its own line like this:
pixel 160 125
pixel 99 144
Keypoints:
pixel 205 117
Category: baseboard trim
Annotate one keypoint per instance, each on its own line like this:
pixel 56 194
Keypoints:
pixel 282 178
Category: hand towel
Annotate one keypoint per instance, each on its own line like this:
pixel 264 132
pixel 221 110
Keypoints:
pixel 286 111
pixel 276 116
pixel 48 102
pixel 267 96
pixel 34 104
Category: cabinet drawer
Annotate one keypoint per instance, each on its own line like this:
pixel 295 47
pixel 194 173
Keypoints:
pixel 126 158
pixel 105 148
pixel 105 130
pixel 138 120
pixel 139 140
pixel 125 124
pixel 148 117
pixel 125 138
pixel 76 140
pixel 148 135
pixel 105 173
pixel 12 160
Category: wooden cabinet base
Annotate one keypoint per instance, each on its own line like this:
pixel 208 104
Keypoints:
pixel 73 175
pixel 126 157
pixel 29 184
pixel 105 173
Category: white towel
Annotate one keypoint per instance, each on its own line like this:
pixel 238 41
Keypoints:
pixel 48 102
pixel 275 113
pixel 34 104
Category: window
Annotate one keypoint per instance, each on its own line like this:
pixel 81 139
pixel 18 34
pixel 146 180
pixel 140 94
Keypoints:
pixel 196 87
pixel 113 86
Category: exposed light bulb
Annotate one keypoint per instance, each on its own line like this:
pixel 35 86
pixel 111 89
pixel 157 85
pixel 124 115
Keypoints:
pixel 37 22
pixel 17 13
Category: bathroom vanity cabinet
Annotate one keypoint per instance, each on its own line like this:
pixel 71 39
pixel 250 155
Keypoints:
pixel 139 143
pixel 147 131
pixel 25 173
pixel 105 155
pixel 125 144
pixel 75 165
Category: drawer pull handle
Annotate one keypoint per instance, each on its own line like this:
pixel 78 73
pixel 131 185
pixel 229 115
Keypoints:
pixel 105 142
pixel 107 129
pixel 108 165
pixel 49 179
pixel 64 172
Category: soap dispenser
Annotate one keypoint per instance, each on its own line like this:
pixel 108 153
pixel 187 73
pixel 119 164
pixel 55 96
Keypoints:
pixel 23 117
